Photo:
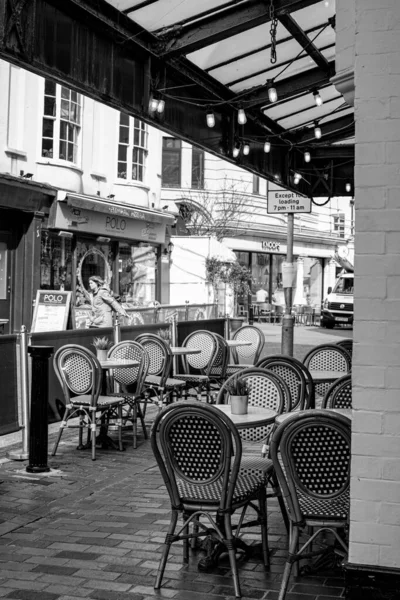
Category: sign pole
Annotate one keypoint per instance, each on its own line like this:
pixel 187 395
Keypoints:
pixel 288 318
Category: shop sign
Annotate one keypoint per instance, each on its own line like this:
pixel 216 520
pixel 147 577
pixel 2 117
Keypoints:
pixel 283 201
pixel 51 311
pixel 271 246
pixel 72 218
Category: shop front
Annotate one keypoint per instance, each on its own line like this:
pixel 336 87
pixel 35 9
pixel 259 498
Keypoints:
pixel 122 244
pixel 265 257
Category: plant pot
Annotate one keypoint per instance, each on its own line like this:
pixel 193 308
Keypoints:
pixel 239 405
pixel 101 353
pixel 236 323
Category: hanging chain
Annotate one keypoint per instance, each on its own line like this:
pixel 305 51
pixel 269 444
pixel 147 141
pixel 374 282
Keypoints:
pixel 272 31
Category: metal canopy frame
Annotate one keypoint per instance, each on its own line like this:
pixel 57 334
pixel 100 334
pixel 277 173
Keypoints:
pixel 114 52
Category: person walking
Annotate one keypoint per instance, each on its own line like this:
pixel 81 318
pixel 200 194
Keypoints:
pixel 103 303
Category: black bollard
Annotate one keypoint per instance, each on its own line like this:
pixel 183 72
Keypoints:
pixel 38 432
pixel 251 315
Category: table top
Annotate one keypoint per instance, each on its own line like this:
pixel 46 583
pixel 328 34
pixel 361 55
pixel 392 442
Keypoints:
pixel 256 416
pixel 122 363
pixel 346 412
pixel 4 321
pixel 319 376
pixel 237 343
pixel 182 350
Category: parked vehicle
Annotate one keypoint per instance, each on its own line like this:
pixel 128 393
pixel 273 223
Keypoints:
pixel 338 307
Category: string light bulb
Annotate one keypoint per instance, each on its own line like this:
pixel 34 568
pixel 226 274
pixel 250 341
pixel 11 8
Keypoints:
pixel 348 186
pixel 297 178
pixel 267 146
pixel 246 149
pixel 153 104
pixel 307 156
pixel 272 93
pixel 317 131
pixel 160 106
pixel 236 150
pixel 210 119
pixel 317 98
pixel 241 117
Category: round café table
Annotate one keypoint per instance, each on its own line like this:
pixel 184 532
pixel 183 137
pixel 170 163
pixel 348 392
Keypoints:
pixel 181 351
pixel 255 417
pixel 237 343
pixel 326 376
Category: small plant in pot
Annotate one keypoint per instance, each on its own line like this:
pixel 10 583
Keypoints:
pixel 238 390
pixel 102 345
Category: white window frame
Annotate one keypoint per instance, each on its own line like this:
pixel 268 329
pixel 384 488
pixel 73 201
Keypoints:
pixel 339 224
pixel 138 146
pixel 75 126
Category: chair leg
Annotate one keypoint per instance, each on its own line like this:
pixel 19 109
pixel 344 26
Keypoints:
pixel 93 433
pixel 185 531
pixel 141 414
pixel 60 431
pixel 134 423
pixel 165 549
pixel 120 445
pixel 293 544
pixel 232 555
pixel 262 502
pixel 277 492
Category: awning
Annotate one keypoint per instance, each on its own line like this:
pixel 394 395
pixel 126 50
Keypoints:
pixel 18 193
pixel 104 218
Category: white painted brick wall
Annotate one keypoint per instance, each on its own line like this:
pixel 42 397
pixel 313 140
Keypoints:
pixel 375 485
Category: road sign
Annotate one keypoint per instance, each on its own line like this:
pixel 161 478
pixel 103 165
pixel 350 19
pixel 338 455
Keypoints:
pixel 283 201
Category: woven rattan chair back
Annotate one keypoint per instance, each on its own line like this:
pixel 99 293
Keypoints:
pixel 248 333
pixel 194 449
pixel 294 378
pixel 219 366
pixel 309 395
pixel 315 463
pixel 339 395
pixel 207 343
pixel 266 391
pixel 327 357
pixel 134 376
pixel 78 371
pixel 159 353
pixel 347 345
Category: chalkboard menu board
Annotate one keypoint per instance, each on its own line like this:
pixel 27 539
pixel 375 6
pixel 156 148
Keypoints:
pixel 51 311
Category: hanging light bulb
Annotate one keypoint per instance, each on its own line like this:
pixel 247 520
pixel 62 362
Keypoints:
pixel 297 178
pixel 317 98
pixel 307 156
pixel 236 150
pixel 210 118
pixel 348 186
pixel 153 104
pixel 267 146
pixel 241 117
pixel 317 131
pixel 272 93
pixel 161 106
pixel 246 149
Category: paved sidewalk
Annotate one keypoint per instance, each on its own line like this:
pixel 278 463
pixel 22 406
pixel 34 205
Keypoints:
pixel 95 529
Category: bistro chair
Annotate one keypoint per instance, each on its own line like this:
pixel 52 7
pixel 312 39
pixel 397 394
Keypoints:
pixel 293 377
pixel 220 364
pixel 251 353
pixel 264 312
pixel 198 450
pixel 347 345
pixel 309 393
pixel 277 313
pixel 327 357
pixel 158 379
pixel 339 394
pixel 131 382
pixel 310 451
pixel 197 367
pixel 80 375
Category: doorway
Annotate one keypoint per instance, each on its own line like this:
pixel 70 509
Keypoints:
pixel 5 275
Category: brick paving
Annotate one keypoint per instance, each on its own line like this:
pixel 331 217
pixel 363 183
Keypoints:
pixel 95 529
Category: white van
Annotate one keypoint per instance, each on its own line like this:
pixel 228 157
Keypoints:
pixel 338 307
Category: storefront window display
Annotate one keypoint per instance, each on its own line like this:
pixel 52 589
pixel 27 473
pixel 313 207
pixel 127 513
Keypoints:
pixel 55 262
pixel 137 273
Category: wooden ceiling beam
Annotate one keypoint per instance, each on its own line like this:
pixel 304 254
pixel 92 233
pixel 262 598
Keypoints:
pixel 184 39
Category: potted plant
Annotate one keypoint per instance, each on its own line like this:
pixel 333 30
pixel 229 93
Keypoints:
pixel 238 390
pixel 102 344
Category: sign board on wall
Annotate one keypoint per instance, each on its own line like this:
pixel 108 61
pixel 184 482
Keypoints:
pixel 283 201
pixel 51 311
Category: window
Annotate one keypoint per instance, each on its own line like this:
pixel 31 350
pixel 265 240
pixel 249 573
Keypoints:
pixel 132 148
pixel 61 122
pixel 197 168
pixel 256 184
pixel 137 273
pixel 171 163
pixel 338 224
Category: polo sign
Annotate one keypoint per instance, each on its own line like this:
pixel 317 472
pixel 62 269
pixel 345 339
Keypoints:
pixel 283 201
pixel 51 310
